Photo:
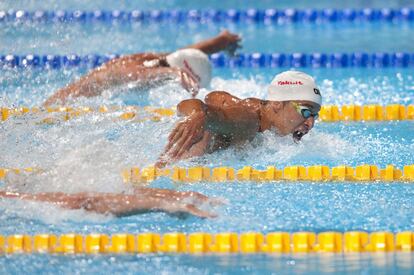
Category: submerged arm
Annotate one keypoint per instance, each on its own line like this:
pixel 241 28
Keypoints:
pixel 119 204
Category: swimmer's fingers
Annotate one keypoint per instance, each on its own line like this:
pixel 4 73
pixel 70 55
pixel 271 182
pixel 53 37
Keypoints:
pixel 161 162
pixel 175 131
pixel 186 146
pixel 178 146
pixel 233 42
pixel 211 201
pixel 200 198
pixel 178 131
pixel 193 136
pixel 187 208
pixel 193 210
pixel 175 136
pixel 195 196
pixel 189 83
pixel 217 201
pixel 231 50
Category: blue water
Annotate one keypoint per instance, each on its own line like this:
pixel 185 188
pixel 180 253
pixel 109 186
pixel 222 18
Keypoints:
pixel 340 87
pixel 88 153
pixel 185 4
pixel 213 264
pixel 83 39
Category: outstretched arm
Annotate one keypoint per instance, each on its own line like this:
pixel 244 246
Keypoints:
pixel 225 41
pixel 144 200
pixel 111 74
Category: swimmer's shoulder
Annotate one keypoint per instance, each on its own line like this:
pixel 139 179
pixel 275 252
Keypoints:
pixel 221 98
pixel 252 102
pixel 225 99
pixel 136 59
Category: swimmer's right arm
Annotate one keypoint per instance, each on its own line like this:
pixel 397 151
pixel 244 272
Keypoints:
pixel 225 41
pixel 221 114
pixel 151 199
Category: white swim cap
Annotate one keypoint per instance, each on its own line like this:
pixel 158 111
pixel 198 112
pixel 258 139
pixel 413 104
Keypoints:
pixel 194 61
pixel 294 85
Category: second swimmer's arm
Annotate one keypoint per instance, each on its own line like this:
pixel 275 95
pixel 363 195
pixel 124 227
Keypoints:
pixel 107 76
pixel 224 41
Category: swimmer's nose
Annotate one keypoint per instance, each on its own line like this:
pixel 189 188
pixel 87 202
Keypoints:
pixel 309 122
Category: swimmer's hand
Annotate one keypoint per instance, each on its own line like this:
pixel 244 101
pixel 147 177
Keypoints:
pixel 185 134
pixel 188 82
pixel 231 42
pixel 180 201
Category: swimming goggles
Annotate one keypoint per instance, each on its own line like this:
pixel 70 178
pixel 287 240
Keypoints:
pixel 304 111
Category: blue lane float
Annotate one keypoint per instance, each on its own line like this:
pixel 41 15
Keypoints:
pixel 272 16
pixel 248 60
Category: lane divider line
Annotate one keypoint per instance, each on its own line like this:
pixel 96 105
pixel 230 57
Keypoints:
pixel 319 173
pixel 221 60
pixel 194 16
pixel 203 243
pixel 328 113
pixel 52 115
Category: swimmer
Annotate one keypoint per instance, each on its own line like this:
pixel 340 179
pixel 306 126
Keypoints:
pixel 190 66
pixel 223 120
pixel 141 201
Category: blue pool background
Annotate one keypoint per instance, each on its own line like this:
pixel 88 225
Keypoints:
pixel 76 152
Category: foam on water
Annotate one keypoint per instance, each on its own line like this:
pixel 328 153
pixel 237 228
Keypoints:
pixel 34 211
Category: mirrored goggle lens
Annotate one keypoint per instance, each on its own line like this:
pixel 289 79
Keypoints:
pixel 306 113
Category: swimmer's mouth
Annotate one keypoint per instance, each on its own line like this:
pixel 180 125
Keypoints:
pixel 297 135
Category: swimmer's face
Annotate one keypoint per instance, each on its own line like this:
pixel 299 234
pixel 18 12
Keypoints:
pixel 287 117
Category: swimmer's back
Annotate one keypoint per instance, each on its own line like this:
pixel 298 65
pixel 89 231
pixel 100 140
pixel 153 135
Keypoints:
pixel 134 59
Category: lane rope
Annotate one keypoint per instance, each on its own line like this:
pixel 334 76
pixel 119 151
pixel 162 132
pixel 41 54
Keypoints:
pixel 203 243
pixel 319 173
pixel 194 16
pixel 328 113
pixel 221 60
pixel 53 115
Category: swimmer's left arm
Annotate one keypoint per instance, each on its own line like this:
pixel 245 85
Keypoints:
pixel 224 41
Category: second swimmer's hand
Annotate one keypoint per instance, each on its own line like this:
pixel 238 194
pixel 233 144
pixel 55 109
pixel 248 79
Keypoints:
pixel 189 82
pixel 184 135
pixel 231 41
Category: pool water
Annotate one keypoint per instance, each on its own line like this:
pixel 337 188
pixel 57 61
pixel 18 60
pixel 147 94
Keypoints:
pixel 185 4
pixel 87 153
pixel 231 264
pixel 79 38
